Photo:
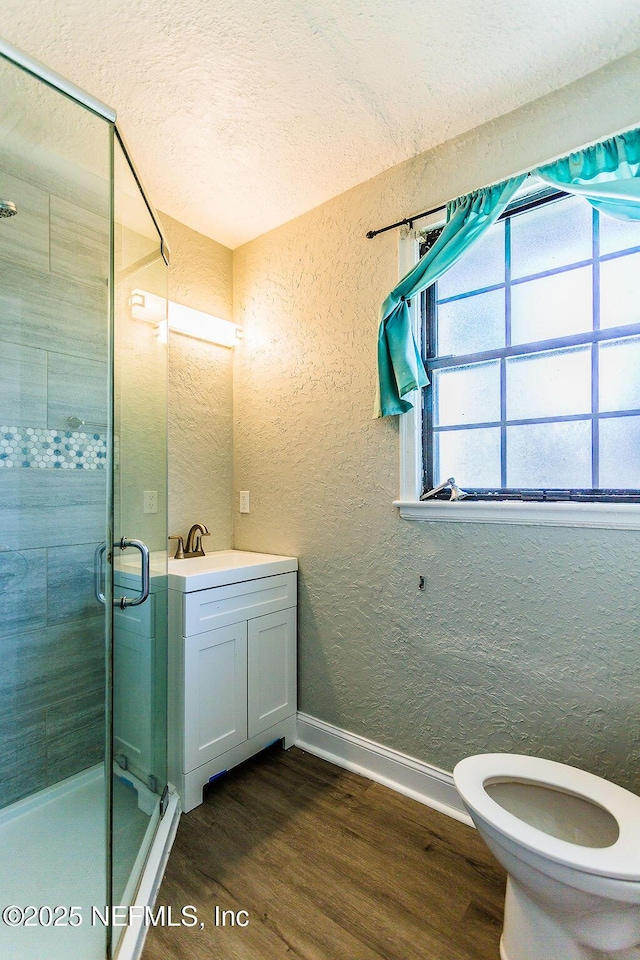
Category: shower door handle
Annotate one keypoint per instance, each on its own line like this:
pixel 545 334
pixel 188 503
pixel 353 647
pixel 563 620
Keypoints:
pixel 123 602
pixel 98 561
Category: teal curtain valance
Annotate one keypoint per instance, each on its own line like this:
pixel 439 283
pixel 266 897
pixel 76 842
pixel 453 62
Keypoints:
pixel 606 174
pixel 400 367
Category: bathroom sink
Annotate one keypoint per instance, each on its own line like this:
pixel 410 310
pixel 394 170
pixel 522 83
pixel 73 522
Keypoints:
pixel 225 566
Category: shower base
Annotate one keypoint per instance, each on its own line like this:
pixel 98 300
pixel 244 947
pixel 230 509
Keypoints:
pixel 52 853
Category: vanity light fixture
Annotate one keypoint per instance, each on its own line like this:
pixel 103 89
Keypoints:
pixel 151 308
pixel 202 326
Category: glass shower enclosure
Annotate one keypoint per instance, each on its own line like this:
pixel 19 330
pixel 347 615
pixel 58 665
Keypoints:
pixel 83 494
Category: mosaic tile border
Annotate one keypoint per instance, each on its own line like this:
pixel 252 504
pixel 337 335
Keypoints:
pixel 44 449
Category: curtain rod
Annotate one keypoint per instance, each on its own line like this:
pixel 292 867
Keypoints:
pixel 408 221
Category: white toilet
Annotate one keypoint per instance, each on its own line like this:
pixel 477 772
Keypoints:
pixel 570 843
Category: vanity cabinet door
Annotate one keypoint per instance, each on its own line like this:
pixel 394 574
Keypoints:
pixel 272 669
pixel 215 708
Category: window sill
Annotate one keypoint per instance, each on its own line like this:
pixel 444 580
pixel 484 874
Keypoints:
pixel 613 516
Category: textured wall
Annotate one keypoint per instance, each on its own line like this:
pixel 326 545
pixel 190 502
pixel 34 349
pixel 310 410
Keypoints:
pixel 140 370
pixel 525 639
pixel 200 391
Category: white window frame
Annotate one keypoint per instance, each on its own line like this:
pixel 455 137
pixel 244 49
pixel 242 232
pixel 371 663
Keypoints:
pixel 612 516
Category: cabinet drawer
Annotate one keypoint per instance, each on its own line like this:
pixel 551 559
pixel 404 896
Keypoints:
pixel 219 606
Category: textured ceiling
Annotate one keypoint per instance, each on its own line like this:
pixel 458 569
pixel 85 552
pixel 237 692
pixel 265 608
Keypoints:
pixel 242 115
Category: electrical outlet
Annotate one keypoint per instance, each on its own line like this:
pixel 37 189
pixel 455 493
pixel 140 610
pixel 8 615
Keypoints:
pixel 244 501
pixel 150 501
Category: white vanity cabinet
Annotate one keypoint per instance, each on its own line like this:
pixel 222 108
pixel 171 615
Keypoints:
pixel 232 663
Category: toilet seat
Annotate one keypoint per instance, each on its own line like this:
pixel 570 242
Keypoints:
pixel 621 860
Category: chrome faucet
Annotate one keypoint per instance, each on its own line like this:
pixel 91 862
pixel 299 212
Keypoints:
pixel 193 546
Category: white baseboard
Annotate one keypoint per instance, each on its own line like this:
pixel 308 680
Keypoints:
pixel 414 778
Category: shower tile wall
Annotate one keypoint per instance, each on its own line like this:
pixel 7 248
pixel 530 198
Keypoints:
pixel 53 348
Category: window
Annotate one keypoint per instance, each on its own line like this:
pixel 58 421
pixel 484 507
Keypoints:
pixel 532 346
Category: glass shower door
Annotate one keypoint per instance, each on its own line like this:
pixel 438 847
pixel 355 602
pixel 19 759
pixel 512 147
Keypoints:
pixel 140 514
pixel 83 499
pixel 54 414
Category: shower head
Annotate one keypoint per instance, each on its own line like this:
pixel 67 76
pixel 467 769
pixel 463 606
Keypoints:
pixel 7 208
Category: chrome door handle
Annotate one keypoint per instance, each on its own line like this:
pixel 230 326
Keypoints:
pixel 122 602
pixel 98 560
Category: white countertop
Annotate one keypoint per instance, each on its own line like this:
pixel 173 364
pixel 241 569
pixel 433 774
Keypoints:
pixel 226 566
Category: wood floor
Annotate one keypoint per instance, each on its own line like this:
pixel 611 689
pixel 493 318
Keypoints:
pixel 328 866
